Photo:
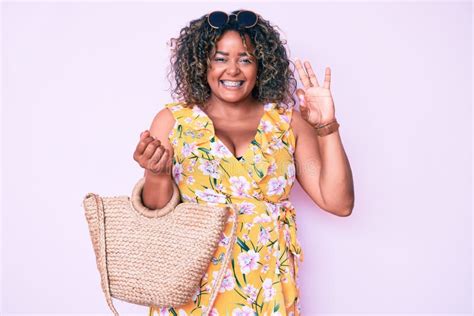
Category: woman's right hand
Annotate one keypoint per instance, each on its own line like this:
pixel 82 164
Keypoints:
pixel 152 155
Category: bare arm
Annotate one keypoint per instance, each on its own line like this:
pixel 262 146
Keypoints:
pixel 322 168
pixel 157 191
pixel 158 187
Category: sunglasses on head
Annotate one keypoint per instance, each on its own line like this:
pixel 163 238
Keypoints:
pixel 244 18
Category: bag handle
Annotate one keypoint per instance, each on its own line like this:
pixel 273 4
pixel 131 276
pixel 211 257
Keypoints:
pixel 137 202
pixel 228 253
pixel 103 254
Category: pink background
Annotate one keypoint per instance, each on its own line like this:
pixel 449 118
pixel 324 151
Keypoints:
pixel 80 81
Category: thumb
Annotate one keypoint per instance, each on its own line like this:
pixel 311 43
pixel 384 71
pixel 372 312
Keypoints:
pixel 301 95
pixel 170 160
pixel 170 155
pixel 171 152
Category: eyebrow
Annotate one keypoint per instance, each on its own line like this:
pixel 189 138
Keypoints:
pixel 227 54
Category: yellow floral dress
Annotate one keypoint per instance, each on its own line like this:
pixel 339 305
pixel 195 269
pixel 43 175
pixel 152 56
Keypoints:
pixel 262 275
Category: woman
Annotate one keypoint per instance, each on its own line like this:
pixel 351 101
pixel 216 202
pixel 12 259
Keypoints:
pixel 234 137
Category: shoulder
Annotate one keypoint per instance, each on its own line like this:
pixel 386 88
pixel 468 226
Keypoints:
pixel 165 115
pixel 180 109
pixel 172 113
pixel 164 121
pixel 173 110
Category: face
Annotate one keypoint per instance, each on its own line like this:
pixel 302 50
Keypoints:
pixel 232 74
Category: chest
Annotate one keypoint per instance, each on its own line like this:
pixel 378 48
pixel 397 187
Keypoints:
pixel 236 136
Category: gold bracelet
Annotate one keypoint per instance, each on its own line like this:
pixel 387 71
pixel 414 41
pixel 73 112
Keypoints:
pixel 328 128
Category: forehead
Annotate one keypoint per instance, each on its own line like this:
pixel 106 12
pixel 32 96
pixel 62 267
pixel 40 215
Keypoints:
pixel 231 42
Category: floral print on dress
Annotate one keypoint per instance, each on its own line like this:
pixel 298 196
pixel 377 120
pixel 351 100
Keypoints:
pixel 262 275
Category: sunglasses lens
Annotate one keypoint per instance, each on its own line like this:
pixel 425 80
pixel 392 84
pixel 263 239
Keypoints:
pixel 247 18
pixel 218 19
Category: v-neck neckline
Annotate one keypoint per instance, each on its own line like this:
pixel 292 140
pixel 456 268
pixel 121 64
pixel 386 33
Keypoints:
pixel 254 139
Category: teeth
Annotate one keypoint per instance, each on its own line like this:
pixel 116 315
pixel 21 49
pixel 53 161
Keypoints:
pixel 232 83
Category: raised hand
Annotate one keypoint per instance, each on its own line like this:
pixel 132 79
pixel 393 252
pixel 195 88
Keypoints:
pixel 316 102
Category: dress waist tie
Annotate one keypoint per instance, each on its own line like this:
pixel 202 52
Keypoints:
pixel 287 225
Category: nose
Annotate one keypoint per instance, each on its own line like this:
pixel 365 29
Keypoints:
pixel 233 69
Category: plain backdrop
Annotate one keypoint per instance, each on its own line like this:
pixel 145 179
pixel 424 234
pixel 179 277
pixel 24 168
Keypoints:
pixel 81 80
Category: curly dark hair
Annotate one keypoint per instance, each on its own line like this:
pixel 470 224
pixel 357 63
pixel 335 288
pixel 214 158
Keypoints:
pixel 190 60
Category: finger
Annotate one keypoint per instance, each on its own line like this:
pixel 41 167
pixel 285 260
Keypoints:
pixel 157 154
pixel 302 74
pixel 151 148
pixel 159 159
pixel 327 78
pixel 311 74
pixel 144 134
pixel 300 94
pixel 141 147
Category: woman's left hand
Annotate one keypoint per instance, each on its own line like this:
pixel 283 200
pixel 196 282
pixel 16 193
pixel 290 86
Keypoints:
pixel 316 103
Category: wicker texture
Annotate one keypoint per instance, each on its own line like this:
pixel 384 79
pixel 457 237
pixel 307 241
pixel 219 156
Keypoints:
pixel 154 257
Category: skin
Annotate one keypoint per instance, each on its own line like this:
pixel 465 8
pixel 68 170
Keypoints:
pixel 322 167
pixel 230 62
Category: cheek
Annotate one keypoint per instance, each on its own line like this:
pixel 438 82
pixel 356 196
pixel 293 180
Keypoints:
pixel 210 72
pixel 253 78
pixel 213 73
pixel 211 77
pixel 252 73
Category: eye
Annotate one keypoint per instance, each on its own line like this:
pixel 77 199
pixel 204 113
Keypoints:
pixel 247 61
pixel 218 59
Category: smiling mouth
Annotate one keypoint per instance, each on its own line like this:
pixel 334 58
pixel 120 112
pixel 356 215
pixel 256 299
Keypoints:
pixel 231 84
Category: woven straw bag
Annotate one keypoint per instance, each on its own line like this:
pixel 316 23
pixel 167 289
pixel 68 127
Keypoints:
pixel 155 257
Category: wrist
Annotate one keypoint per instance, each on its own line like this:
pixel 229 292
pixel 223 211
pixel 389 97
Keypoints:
pixel 156 177
pixel 325 122
pixel 327 127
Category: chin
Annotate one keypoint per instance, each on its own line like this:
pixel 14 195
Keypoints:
pixel 230 96
pixel 233 99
